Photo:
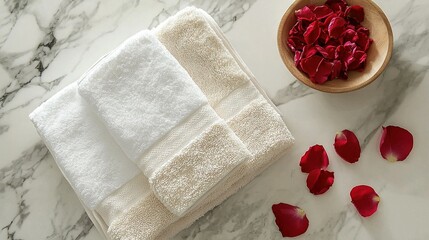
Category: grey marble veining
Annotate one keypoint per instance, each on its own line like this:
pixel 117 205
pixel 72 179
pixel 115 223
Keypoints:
pixel 45 45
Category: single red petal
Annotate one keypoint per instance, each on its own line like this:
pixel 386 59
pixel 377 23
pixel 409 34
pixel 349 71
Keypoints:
pixel 365 199
pixel 356 13
pixel 319 181
pixel 322 11
pixel 356 61
pixel 297 58
pixel 315 158
pixel 347 146
pixel 363 30
pixel 336 5
pixel 336 69
pixel 291 220
pixel 308 51
pixel 363 41
pixel 396 143
pixel 312 33
pixel 327 52
pixel 309 65
pixel 294 43
pixel 324 70
pixel 305 13
pixel 336 27
pixel 349 35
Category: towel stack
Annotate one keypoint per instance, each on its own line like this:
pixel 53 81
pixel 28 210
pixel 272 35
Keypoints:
pixel 162 129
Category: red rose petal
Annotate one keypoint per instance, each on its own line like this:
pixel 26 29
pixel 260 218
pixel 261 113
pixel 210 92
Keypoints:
pixel 336 69
pixel 347 146
pixel 322 11
pixel 297 58
pixel 357 60
pixel 396 143
pixel 349 35
pixel 356 13
pixel 365 199
pixel 324 70
pixel 308 51
pixel 363 41
pixel 315 158
pixel 305 13
pixel 295 43
pixel 309 65
pixel 312 33
pixel 319 181
pixel 337 5
pixel 291 220
pixel 336 27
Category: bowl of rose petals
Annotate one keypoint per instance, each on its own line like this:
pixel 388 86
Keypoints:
pixel 335 45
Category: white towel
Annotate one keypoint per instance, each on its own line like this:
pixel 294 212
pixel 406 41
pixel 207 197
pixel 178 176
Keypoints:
pixel 162 121
pixel 89 158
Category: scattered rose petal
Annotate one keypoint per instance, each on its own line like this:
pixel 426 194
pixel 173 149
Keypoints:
pixel 315 158
pixel 312 33
pixel 355 12
pixel 319 181
pixel 396 143
pixel 347 146
pixel 365 199
pixel 291 220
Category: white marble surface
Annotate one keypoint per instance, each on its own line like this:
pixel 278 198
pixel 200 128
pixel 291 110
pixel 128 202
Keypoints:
pixel 45 45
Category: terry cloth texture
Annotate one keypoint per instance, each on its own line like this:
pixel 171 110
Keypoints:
pixel 89 158
pixel 140 93
pixel 155 111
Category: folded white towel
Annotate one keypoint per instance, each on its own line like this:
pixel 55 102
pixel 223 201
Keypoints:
pixel 89 158
pixel 162 121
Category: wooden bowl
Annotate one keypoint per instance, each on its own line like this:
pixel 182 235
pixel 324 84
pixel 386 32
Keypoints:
pixel 378 54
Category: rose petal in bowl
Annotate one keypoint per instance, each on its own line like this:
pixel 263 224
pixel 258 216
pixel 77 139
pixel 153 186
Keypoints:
pixel 312 32
pixel 396 143
pixel 365 199
pixel 319 181
pixel 291 220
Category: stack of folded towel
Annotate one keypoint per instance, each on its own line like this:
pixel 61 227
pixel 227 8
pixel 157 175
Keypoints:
pixel 162 129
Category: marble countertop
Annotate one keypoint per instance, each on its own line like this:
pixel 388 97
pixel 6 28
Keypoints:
pixel 45 45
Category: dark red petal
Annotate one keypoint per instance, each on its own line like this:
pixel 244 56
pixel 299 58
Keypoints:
pixel 347 146
pixel 357 60
pixel 363 41
pixel 291 220
pixel 294 43
pixel 324 70
pixel 349 35
pixel 336 27
pixel 396 143
pixel 315 158
pixel 319 181
pixel 327 52
pixel 312 33
pixel 309 65
pixel 322 11
pixel 365 199
pixel 336 69
pixel 305 13
pixel 336 5
pixel 308 51
pixel 363 30
pixel 297 58
pixel 356 13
